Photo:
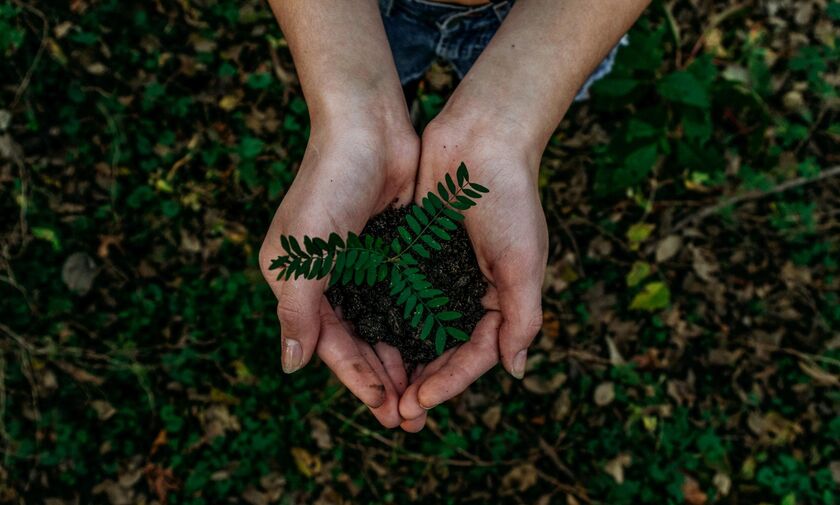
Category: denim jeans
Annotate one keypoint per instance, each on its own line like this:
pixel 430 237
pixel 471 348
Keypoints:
pixel 420 31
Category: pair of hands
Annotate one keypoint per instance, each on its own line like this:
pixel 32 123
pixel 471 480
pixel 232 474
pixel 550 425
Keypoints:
pixel 356 166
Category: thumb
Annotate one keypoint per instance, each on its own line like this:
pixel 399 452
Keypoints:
pixel 298 309
pixel 520 301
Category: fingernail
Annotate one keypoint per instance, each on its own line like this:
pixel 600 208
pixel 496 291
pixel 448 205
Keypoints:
pixel 292 355
pixel 519 364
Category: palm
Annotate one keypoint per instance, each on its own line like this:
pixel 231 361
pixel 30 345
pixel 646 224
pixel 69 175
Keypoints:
pixel 509 235
pixel 342 182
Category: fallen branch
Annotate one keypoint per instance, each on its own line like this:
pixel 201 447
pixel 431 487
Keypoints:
pixel 755 195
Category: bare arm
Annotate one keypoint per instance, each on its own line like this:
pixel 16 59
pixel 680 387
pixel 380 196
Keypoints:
pixel 342 57
pixel 538 60
pixel 361 157
pixel 498 121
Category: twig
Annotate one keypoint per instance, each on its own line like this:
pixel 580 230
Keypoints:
pixel 755 195
pixel 28 76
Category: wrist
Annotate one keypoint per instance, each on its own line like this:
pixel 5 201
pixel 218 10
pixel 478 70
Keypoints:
pixel 496 120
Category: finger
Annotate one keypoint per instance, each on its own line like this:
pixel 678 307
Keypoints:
pixel 388 414
pixel 410 407
pixel 414 425
pixel 520 301
pixel 343 355
pixel 469 362
pixel 394 366
pixel 298 310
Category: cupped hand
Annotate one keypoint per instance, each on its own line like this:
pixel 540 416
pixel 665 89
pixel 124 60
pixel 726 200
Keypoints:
pixel 348 174
pixel 508 231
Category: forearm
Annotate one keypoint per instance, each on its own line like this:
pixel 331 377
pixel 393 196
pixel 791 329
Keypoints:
pixel 342 58
pixel 544 51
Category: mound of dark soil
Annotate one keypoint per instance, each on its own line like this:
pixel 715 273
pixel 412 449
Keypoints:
pixel 376 316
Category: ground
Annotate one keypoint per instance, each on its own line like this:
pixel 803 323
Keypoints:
pixel 691 345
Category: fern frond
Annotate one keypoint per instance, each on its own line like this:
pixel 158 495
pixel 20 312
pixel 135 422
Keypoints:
pixel 354 259
pixel 419 299
pixel 427 224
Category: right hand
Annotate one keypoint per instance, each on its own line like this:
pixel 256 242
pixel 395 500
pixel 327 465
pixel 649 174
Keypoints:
pixel 349 173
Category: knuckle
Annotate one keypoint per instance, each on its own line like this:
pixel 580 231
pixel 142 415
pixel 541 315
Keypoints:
pixel 290 312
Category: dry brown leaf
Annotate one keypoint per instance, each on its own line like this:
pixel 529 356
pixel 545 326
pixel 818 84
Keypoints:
pixel 692 493
pixel 321 434
pixel 615 467
pixel 667 248
pixel 722 483
pixel 604 394
pixel 520 478
pixel 492 416
pixel 540 385
pixel 307 463
pixel 104 410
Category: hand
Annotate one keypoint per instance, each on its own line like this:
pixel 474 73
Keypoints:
pixel 508 232
pixel 349 173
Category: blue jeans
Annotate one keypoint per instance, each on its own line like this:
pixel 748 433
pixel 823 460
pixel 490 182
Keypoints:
pixel 421 30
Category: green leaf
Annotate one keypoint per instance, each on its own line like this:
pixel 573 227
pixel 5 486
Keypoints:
pixel 352 256
pixel 446 223
pixel 453 215
pixel 478 187
pixel 441 234
pixel 320 244
pixel 640 270
pixel 472 194
pixel 284 243
pixel 359 277
pixel 654 296
pixel 437 302
pixel 409 306
pixel 462 173
pixel 413 224
pixel 418 313
pixel 638 233
pixel 340 261
pixel 431 242
pixel 296 247
pixel 395 246
pixel 371 276
pixel 444 195
pixel 450 184
pixel 422 251
pixel 449 315
pixel 684 87
pixel 427 327
pixel 326 265
pixel 420 215
pixel 440 340
pixel 457 333
pixel 404 234
pixel 403 297
pixel 347 275
pixel 335 241
pixel 436 202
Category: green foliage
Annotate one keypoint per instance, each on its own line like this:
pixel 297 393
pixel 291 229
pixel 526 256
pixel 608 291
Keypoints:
pixel 368 259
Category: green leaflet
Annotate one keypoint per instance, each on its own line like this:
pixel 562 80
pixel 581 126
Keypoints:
pixel 369 260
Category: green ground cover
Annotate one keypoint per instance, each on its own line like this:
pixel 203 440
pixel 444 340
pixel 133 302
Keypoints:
pixel 691 345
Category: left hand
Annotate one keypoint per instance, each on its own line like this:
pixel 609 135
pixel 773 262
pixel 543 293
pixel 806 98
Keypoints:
pixel 510 238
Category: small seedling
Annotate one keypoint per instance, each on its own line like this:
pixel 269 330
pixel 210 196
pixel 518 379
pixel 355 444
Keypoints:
pixel 367 259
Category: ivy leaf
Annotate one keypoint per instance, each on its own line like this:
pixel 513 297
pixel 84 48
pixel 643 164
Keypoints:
pixel 684 87
pixel 654 296
pixel 640 270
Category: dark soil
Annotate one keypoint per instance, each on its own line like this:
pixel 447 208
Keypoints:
pixel 376 316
